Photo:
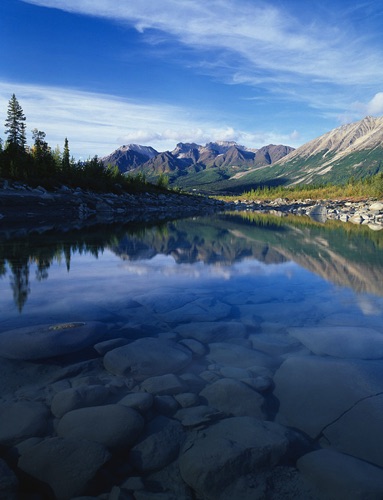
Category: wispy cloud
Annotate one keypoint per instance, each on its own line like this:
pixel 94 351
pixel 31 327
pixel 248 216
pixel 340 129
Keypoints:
pixel 264 41
pixel 98 123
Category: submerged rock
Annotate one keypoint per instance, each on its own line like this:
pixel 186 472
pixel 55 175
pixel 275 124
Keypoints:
pixel 359 432
pixel 212 331
pixel 239 356
pixel 140 401
pixel 9 484
pixel 197 416
pixel 22 420
pixel 234 398
pixel 224 460
pixel 160 445
pixel 163 384
pixel 66 465
pixel 49 340
pixel 341 341
pixel 147 357
pixel 313 392
pixel 113 426
pixel 79 397
pixel 341 477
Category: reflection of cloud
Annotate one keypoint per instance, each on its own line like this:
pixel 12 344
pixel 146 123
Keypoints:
pixel 368 305
pixel 162 265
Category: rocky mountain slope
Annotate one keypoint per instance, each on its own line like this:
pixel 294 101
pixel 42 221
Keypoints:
pixel 352 150
pixel 130 157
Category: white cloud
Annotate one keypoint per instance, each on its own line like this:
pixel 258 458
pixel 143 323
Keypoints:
pixel 375 106
pixel 99 123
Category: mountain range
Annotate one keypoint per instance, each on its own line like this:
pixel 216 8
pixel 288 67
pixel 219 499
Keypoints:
pixel 352 150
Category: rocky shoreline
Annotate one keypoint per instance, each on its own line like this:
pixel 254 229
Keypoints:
pixel 367 212
pixel 21 204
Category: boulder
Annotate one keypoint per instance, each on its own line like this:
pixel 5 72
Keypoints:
pixel 224 460
pixel 49 340
pixel 108 345
pixel 166 405
pixel 79 397
pixel 198 416
pixel 9 484
pixel 238 356
pixel 216 331
pixel 341 341
pixel 341 477
pixel 170 482
pixel 376 206
pixel 234 398
pixel 203 309
pixel 66 465
pixel 147 357
pixel 114 426
pixel 163 384
pixel 187 399
pixel 160 445
pixel 275 344
pixel 359 431
pixel 140 401
pixel 313 392
pixel 197 348
pixel 22 420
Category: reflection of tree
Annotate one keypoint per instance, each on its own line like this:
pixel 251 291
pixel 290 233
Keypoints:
pixel 20 283
pixel 42 250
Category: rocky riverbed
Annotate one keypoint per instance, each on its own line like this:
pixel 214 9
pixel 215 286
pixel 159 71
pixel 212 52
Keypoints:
pixel 210 409
pixel 368 212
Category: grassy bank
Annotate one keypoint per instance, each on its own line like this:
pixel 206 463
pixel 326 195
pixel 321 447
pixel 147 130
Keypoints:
pixel 370 187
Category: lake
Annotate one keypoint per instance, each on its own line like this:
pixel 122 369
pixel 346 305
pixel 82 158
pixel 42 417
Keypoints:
pixel 238 355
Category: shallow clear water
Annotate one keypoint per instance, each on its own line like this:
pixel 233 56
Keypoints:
pixel 288 309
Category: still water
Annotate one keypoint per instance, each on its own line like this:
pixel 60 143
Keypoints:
pixel 232 356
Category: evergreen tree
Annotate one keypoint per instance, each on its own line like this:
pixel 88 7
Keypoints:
pixel 66 157
pixel 44 163
pixel 15 127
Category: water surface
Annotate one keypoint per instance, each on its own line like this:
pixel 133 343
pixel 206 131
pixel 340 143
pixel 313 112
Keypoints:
pixel 275 320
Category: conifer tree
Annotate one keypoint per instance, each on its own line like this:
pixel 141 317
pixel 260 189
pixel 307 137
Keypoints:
pixel 66 157
pixel 15 124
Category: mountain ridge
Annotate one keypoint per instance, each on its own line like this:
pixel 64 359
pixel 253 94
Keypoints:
pixel 189 158
pixel 353 150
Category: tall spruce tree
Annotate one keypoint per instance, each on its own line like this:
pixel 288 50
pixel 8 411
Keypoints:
pixel 15 127
pixel 66 157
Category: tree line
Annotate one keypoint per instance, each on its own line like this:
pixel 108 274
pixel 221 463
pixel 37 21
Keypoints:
pixel 39 164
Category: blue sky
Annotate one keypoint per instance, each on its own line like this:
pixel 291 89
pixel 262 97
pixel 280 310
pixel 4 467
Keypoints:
pixel 110 72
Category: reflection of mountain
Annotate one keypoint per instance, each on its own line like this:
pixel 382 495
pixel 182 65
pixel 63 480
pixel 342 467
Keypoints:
pixel 190 241
pixel 347 255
